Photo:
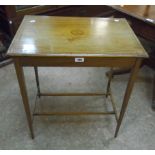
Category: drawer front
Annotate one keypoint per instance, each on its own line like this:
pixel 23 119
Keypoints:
pixel 77 61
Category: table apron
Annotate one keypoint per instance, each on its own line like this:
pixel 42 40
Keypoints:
pixel 70 61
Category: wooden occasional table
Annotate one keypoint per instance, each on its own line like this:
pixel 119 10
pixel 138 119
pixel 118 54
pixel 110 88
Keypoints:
pixel 75 42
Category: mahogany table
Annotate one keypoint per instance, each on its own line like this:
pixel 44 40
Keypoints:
pixel 75 42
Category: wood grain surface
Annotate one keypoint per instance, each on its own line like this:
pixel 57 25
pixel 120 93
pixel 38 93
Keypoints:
pixel 69 36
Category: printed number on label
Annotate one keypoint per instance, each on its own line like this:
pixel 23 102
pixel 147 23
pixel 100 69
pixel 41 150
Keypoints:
pixel 79 59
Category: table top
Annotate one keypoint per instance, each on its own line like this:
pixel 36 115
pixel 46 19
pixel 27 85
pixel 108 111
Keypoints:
pixel 75 36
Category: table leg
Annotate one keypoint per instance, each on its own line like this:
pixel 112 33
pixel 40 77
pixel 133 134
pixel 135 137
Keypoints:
pixel 153 95
pixel 128 91
pixel 110 76
pixel 37 79
pixel 21 81
pixel 146 11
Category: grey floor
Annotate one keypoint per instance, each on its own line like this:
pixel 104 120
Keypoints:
pixel 76 132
